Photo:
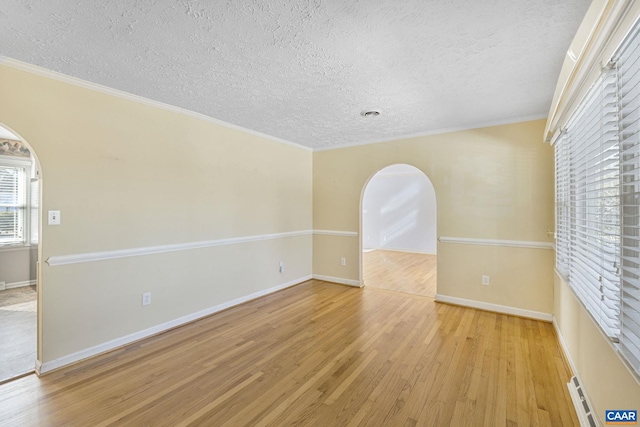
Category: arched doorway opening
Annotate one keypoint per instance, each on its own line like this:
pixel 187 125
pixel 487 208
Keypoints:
pixel 399 231
pixel 20 251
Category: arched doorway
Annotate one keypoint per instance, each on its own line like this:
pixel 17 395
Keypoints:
pixel 399 231
pixel 19 254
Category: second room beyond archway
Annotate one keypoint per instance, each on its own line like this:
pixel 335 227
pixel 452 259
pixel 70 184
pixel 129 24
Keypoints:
pixel 399 231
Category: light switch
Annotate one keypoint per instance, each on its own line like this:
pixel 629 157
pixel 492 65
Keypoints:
pixel 54 217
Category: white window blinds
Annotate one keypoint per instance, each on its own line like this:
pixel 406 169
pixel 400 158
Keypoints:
pixel 12 204
pixel 629 87
pixel 594 212
pixel 598 201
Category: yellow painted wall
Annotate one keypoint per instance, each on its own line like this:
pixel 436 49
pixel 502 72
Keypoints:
pixel 490 183
pixel 608 382
pixel 128 175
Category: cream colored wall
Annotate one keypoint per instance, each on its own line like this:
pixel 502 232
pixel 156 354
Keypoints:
pixel 129 175
pixel 608 382
pixel 17 265
pixel 491 183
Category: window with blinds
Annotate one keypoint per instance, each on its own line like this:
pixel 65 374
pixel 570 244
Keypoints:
pixel 598 201
pixel 588 237
pixel 628 62
pixel 12 204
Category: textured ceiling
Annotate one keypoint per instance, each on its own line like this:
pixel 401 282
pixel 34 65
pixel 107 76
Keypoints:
pixel 303 70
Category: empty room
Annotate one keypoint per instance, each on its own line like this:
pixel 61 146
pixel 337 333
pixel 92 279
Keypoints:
pixel 323 213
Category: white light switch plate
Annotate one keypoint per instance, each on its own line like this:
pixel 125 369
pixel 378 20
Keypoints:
pixel 54 218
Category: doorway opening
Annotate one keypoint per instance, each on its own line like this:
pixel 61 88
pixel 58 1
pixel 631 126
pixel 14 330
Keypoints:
pixel 19 254
pixel 399 231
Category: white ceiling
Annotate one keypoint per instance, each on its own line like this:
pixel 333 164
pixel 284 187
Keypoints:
pixel 303 70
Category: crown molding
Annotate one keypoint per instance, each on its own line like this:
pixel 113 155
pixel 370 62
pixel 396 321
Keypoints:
pixel 441 131
pixel 54 75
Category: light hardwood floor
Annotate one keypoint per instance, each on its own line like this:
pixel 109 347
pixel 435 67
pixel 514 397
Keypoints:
pixel 18 332
pixel 315 354
pixel 400 271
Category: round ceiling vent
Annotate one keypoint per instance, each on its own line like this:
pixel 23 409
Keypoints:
pixel 370 113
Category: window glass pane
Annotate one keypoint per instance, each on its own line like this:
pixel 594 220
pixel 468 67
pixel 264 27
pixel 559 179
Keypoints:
pixel 12 204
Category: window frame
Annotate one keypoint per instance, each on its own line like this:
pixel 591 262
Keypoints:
pixel 27 165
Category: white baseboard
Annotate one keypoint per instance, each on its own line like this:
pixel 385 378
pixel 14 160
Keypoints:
pixel 409 251
pixel 19 284
pixel 565 349
pixel 42 368
pixel 338 280
pixel 537 315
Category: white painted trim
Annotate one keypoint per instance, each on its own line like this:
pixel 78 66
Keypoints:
pixel 520 312
pixel 154 330
pixel 24 162
pixel 496 242
pixel 336 233
pixel 124 253
pixel 565 349
pixel 338 280
pixel 471 126
pixel 19 284
pixel 409 251
pixel 33 69
pixel 38 367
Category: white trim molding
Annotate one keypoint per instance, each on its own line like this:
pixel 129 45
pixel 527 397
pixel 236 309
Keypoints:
pixel 33 69
pixel 496 242
pixel 440 131
pixel 336 233
pixel 408 251
pixel 338 280
pixel 125 253
pixel 45 367
pixel 605 26
pixel 563 346
pixel 20 284
pixel 150 250
pixel 514 311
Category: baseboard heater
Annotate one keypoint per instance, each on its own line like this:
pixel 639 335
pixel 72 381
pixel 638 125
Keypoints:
pixel 584 409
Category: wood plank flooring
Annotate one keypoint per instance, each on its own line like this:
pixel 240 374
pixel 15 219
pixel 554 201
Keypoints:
pixel 18 331
pixel 407 272
pixel 315 354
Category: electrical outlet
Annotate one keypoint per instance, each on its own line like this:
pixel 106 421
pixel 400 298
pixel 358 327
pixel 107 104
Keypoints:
pixel 343 261
pixel 281 266
pixel 485 280
pixel 54 218
pixel 146 298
